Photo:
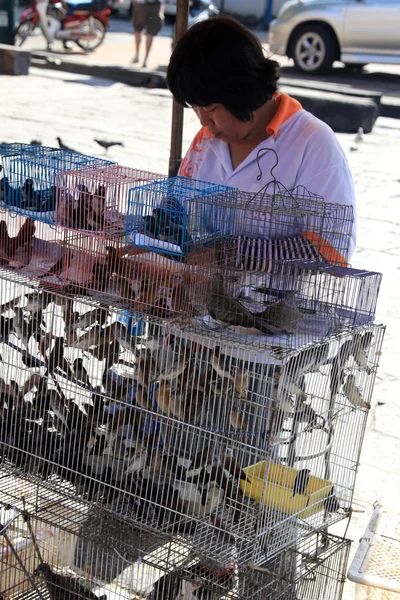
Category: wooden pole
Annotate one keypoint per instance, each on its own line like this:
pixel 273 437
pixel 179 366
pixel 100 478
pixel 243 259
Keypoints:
pixel 175 156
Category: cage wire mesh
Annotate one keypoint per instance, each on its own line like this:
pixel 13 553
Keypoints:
pixel 105 270
pixel 289 307
pixel 239 457
pixel 32 249
pixel 305 570
pixel 296 305
pixel 97 199
pixel 28 183
pixel 176 215
pixel 180 216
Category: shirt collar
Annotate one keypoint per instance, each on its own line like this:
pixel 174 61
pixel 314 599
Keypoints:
pixel 287 106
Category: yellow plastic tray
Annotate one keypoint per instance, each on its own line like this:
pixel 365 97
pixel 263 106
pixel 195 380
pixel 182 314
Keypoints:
pixel 278 489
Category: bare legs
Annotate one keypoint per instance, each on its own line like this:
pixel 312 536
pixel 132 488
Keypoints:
pixel 149 42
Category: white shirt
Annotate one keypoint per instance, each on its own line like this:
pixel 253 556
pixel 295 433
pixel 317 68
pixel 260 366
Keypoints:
pixel 308 154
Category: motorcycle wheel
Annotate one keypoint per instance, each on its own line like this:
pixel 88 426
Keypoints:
pixel 99 30
pixel 23 31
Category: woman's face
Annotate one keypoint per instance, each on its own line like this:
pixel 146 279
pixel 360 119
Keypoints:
pixel 222 124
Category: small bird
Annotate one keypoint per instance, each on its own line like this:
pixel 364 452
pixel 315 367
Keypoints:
pixel 59 409
pixel 80 372
pixel 146 369
pixel 57 358
pixel 106 145
pixel 283 315
pixel 237 421
pixel 227 310
pixel 301 482
pixel 62 587
pixel 218 363
pixel 331 503
pixel 306 414
pixel 230 463
pixel 359 136
pixel 353 393
pixel 64 146
pixel 142 397
pixel 361 344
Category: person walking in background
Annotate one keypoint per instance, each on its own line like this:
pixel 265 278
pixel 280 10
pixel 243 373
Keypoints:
pixel 147 15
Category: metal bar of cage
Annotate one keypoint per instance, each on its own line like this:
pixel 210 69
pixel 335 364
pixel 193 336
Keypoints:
pixel 237 420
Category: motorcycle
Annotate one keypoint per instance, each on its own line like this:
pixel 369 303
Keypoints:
pixel 84 24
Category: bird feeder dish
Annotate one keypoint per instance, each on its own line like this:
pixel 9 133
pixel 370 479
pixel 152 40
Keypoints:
pixel 273 487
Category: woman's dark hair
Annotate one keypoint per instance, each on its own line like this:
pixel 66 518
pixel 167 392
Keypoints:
pixel 220 61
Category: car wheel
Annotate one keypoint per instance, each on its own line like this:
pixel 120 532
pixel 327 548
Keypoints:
pixel 314 49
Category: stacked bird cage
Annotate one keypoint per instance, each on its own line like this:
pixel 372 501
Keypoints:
pixel 190 396
pixel 238 456
pixel 28 185
pixel 56 565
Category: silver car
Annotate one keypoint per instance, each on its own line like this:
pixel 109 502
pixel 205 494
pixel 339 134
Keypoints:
pixel 315 33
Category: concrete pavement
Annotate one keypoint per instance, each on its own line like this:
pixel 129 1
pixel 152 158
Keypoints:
pixel 80 108
pixel 113 60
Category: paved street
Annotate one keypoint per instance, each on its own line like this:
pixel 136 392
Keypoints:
pixel 118 50
pixel 79 109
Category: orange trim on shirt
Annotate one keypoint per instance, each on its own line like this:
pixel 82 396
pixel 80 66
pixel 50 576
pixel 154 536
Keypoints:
pixel 325 249
pixel 287 106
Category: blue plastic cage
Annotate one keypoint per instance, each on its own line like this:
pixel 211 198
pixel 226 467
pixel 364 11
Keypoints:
pixel 28 177
pixel 176 215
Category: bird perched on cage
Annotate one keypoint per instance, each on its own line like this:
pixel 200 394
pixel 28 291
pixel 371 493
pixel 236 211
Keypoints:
pixel 146 369
pixel 164 401
pixel 63 146
pixel 356 347
pixel 227 310
pixel 9 245
pixel 284 315
pixel 58 408
pixel 63 587
pixel 236 420
pixel 106 145
pixel 80 372
pixel 306 414
pixel 95 209
pixel 307 361
pixel 361 344
pixel 353 393
pixel 6 327
pixel 301 482
pixel 230 463
pixel 166 226
pixel 57 359
pixel 29 196
pixel 331 504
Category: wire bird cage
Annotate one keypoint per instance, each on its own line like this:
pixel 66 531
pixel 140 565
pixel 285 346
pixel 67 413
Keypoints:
pixel 96 200
pixel 241 456
pixel 144 282
pixel 291 307
pixel 177 215
pixel 32 250
pixel 152 569
pixel 280 224
pixel 28 185
pixel 296 305
pixel 181 216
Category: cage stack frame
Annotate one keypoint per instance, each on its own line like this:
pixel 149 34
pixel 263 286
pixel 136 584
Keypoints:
pixel 186 375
